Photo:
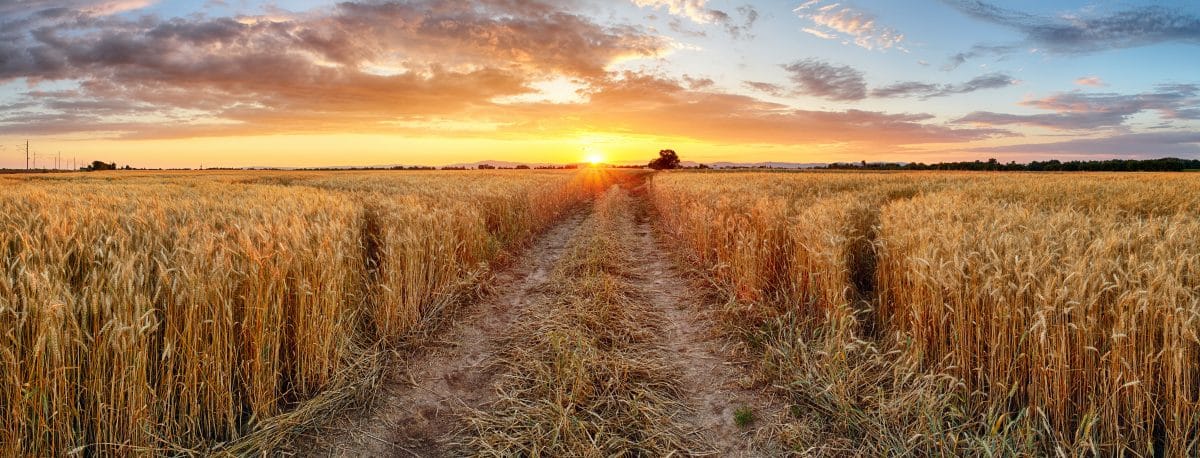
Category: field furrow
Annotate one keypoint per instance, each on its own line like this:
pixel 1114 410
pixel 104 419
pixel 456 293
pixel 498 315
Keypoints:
pixel 584 374
pixel 435 384
pixel 730 408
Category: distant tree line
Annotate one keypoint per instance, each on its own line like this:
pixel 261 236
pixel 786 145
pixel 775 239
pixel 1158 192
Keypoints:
pixel 1169 164
pixel 101 165
pixel 334 169
pixel 411 167
pixel 396 167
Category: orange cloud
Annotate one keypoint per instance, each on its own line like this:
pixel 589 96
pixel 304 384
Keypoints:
pixel 836 20
pixel 642 104
pixel 397 68
pixel 321 69
pixel 1085 110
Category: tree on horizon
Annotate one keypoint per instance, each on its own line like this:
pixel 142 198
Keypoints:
pixel 667 159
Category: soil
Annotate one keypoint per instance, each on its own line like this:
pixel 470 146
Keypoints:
pixel 420 408
pixel 421 403
pixel 715 372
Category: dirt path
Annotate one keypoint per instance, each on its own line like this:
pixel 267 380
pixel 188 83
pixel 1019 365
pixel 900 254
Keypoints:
pixel 716 382
pixel 422 402
pixel 422 405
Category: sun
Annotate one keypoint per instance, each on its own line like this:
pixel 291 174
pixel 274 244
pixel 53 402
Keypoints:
pixel 593 156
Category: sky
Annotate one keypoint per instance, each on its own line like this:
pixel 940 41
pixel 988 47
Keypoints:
pixel 304 83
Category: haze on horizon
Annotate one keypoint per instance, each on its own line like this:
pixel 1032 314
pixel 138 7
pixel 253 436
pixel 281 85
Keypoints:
pixel 174 83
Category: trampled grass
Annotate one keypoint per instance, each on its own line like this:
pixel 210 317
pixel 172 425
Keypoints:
pixel 585 377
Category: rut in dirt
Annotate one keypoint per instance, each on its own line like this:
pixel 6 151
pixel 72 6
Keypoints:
pixel 715 368
pixel 420 404
pixel 595 342
pixel 583 374
pixel 620 359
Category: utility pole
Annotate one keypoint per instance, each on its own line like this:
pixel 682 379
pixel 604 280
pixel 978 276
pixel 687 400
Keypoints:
pixel 26 154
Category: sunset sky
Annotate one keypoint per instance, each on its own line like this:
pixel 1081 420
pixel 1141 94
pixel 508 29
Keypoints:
pixel 174 83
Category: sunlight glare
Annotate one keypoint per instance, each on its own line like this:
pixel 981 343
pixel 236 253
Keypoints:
pixel 593 155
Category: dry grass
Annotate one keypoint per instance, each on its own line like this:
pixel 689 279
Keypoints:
pixel 901 313
pixel 960 313
pixel 1085 322
pixel 584 374
pixel 174 312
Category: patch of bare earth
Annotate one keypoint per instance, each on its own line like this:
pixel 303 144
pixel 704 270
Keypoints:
pixel 715 373
pixel 425 397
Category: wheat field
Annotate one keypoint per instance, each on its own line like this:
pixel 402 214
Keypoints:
pixel 925 313
pixel 962 313
pixel 162 312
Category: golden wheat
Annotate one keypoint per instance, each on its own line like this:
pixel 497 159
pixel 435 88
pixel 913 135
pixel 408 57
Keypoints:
pixel 1087 319
pixel 174 311
pixel 1064 306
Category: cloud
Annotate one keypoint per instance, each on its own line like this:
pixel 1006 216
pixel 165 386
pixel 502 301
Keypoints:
pixel 833 20
pixel 749 18
pixel 1141 145
pixel 1084 111
pixel 89 7
pixel 1174 101
pixel 927 90
pixel 988 81
pixel 363 62
pixel 698 83
pixel 906 89
pixel 960 58
pixel 1073 34
pixel 353 36
pixel 818 33
pixel 838 82
pixel 677 25
pixel 698 12
pixel 766 88
pixel 398 67
pixel 833 82
pixel 1093 81
pixel 639 103
pixel 1056 121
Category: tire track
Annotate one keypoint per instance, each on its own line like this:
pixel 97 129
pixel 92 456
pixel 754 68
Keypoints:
pixel 715 375
pixel 432 387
